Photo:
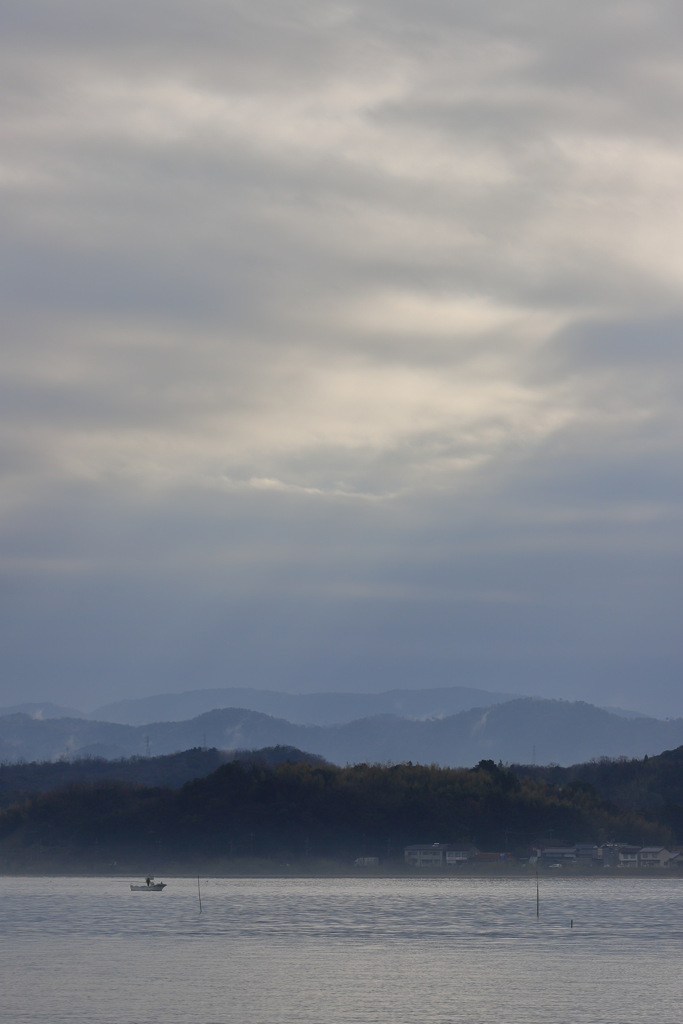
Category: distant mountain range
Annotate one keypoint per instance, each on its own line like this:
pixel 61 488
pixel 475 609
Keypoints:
pixel 335 708
pixel 42 710
pixel 302 708
pixel 523 731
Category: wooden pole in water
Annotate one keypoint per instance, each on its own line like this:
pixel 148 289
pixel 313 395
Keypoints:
pixel 538 898
pixel 199 894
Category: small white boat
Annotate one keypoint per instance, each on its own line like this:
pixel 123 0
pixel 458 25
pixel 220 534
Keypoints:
pixel 149 886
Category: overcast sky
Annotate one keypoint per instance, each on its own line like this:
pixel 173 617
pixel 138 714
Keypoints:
pixel 341 347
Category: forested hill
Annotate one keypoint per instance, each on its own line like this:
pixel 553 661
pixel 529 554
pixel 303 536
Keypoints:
pixel 650 783
pixel 167 770
pixel 291 811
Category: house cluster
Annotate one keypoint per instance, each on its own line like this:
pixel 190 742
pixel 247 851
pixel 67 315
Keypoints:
pixel 608 855
pixel 445 855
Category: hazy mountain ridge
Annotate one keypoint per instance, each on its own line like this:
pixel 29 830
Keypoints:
pixel 42 709
pixel 526 730
pixel 320 708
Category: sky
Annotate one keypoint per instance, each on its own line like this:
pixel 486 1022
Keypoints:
pixel 341 348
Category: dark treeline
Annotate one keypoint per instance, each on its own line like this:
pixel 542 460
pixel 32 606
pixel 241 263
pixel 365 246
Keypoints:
pixel 24 778
pixel 651 785
pixel 21 779
pixel 291 811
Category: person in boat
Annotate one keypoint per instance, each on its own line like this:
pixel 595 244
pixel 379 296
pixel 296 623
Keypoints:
pixel 148 881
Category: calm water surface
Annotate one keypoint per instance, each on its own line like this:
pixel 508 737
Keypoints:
pixel 341 951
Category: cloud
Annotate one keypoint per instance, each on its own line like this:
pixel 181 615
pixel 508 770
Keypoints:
pixel 342 339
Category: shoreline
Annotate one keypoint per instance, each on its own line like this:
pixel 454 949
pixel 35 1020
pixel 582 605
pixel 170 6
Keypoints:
pixel 338 872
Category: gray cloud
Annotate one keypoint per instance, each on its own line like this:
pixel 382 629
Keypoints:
pixel 341 347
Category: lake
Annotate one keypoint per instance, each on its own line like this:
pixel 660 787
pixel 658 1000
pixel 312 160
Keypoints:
pixel 339 951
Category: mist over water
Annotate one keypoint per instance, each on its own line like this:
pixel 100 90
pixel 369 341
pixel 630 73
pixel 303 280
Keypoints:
pixel 341 951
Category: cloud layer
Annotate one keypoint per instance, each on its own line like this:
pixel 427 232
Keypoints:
pixel 341 347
